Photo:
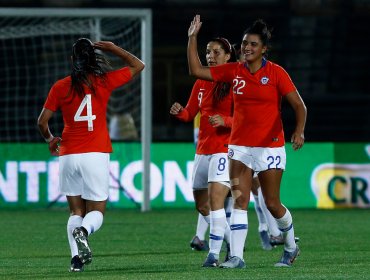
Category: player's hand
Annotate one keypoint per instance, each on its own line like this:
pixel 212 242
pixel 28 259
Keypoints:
pixel 216 121
pixel 195 26
pixel 105 46
pixel 54 146
pixel 176 108
pixel 297 140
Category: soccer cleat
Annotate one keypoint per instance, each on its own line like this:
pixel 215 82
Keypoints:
pixel 199 245
pixel 233 262
pixel 288 258
pixel 211 261
pixel 279 240
pixel 265 240
pixel 76 265
pixel 84 251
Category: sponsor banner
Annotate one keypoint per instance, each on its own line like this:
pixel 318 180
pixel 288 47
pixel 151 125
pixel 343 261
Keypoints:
pixel 323 175
pixel 345 181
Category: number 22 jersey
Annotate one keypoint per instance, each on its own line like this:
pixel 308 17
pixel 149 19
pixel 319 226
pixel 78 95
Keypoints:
pixel 257 102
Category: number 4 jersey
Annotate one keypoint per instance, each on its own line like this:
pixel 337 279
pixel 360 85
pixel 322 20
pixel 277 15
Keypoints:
pixel 85 125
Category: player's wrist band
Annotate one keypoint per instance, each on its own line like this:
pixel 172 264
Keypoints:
pixel 49 139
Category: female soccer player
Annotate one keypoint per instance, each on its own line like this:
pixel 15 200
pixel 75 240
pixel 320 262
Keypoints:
pixel 257 137
pixel 210 176
pixel 85 145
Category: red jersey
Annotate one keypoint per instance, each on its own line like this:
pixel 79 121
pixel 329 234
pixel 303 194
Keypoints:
pixel 85 125
pixel 257 100
pixel 211 139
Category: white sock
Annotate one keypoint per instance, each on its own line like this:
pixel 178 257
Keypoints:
pixel 239 230
pixel 285 225
pixel 262 224
pixel 202 226
pixel 217 231
pixel 73 222
pixel 229 205
pixel 92 221
pixel 271 222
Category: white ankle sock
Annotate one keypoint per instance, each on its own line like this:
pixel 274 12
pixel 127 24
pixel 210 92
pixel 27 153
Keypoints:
pixel 92 221
pixel 285 225
pixel 239 230
pixel 73 222
pixel 217 231
pixel 202 226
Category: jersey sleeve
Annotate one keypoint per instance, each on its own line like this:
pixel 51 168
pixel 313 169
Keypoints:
pixel 118 78
pixel 228 121
pixel 192 108
pixel 224 72
pixel 285 84
pixel 51 102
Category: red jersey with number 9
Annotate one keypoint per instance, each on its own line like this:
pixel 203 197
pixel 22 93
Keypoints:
pixel 85 125
pixel 257 102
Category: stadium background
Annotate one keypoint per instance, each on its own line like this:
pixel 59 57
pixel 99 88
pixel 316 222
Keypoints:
pixel 322 44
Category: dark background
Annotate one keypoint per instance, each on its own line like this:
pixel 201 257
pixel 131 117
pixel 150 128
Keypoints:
pixel 323 45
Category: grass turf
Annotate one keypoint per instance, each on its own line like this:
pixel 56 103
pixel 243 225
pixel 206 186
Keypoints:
pixel 155 245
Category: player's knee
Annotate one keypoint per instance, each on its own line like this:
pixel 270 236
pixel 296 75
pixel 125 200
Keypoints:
pixel 203 209
pixel 273 205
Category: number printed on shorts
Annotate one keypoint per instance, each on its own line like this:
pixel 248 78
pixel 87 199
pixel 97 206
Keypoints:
pixel 86 102
pixel 273 162
pixel 221 164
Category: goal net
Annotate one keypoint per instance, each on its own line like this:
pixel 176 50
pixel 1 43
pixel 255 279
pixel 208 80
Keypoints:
pixel 35 52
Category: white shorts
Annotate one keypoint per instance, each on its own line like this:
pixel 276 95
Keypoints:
pixel 85 174
pixel 259 159
pixel 210 168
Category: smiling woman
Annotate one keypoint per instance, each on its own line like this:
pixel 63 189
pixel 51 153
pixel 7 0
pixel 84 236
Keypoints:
pixel 257 137
pixel 210 182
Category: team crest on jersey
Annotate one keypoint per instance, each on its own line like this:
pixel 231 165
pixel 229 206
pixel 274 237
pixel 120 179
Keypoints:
pixel 264 80
pixel 231 153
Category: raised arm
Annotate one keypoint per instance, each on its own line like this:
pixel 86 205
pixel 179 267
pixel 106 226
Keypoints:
pixel 196 68
pixel 134 64
pixel 300 110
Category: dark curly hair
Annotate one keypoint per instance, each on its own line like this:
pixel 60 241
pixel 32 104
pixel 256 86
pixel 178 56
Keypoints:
pixel 86 66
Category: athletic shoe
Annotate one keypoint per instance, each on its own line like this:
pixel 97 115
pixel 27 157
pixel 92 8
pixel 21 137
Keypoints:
pixel 199 245
pixel 265 240
pixel 233 262
pixel 211 261
pixel 288 258
pixel 76 265
pixel 84 251
pixel 279 240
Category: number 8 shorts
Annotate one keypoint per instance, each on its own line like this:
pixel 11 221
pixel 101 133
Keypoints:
pixel 210 168
pixel 259 159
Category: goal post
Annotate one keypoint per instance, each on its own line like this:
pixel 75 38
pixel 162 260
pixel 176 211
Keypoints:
pixel 35 46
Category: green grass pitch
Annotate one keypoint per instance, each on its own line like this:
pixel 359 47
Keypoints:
pixel 155 245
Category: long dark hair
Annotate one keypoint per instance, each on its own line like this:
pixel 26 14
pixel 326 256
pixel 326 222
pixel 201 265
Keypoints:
pixel 222 89
pixel 87 65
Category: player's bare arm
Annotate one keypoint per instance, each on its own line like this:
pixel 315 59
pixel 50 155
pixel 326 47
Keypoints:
pixel 135 64
pixel 300 110
pixel 196 68
pixel 43 125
